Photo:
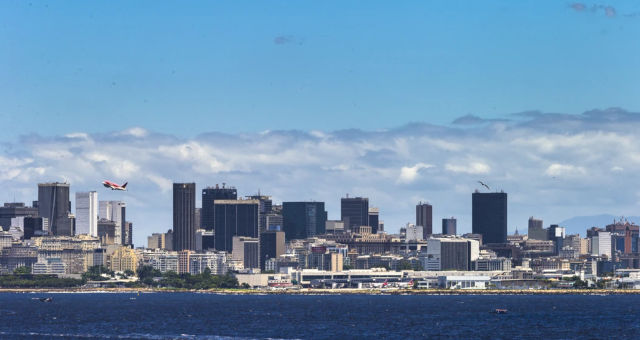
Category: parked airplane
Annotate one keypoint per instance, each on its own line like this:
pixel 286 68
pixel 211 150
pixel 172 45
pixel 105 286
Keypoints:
pixel 114 186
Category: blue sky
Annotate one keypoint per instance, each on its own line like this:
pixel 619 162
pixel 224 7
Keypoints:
pixel 359 97
pixel 252 66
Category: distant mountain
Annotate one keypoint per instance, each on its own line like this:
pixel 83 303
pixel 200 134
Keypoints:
pixel 580 224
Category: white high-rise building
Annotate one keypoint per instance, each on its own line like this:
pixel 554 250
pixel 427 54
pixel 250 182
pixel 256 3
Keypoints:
pixel 87 213
pixel 601 244
pixel 114 211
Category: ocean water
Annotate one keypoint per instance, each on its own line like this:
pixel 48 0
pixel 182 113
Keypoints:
pixel 211 316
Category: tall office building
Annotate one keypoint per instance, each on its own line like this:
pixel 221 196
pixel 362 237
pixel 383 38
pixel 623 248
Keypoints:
pixel 115 211
pixel 33 226
pixel 264 208
pixel 303 219
pixel 87 213
pixel 54 205
pixel 198 220
pixel 449 226
pixel 210 195
pixel 247 250
pixel 128 234
pixel 424 218
pixel 536 231
pixel 451 254
pixel 184 211
pixel 374 219
pixel 13 210
pixel 272 245
pixel 235 218
pixel 489 216
pixel 354 211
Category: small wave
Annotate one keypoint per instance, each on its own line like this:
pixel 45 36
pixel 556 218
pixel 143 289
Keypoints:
pixel 117 336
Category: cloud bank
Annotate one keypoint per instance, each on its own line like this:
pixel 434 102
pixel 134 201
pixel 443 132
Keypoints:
pixel 552 165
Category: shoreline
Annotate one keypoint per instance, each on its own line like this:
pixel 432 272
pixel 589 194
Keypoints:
pixel 595 292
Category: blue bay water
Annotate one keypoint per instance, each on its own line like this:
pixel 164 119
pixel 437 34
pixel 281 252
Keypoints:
pixel 211 316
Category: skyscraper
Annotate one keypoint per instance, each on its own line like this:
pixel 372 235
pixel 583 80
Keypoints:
pixel 272 245
pixel 54 205
pixel 449 226
pixel 354 211
pixel 184 211
pixel 303 219
pixel 535 230
pixel 489 216
pixel 374 219
pixel 115 211
pixel 128 234
pixel 87 213
pixel 265 208
pixel 424 218
pixel 235 218
pixel 210 195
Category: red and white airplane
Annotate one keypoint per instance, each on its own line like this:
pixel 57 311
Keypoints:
pixel 115 186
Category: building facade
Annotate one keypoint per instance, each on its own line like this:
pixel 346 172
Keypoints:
pixel 489 216
pixel 235 218
pixel 54 205
pixel 87 213
pixel 424 218
pixel 184 210
pixel 303 219
pixel 354 211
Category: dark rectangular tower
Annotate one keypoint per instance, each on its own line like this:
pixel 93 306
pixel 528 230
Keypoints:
pixel 184 216
pixel 374 219
pixel 210 195
pixel 54 205
pixel 489 216
pixel 235 218
pixel 449 226
pixel 272 245
pixel 424 218
pixel 303 219
pixel 354 211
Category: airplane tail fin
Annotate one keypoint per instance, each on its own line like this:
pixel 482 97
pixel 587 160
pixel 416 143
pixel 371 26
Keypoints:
pixel 124 186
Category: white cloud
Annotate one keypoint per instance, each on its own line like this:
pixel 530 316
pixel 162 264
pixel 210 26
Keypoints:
pixel 617 169
pixel 473 168
pixel 409 174
pixel 135 132
pixel 564 170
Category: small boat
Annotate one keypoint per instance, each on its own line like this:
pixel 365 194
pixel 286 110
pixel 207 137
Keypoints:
pixel 48 299
pixel 499 311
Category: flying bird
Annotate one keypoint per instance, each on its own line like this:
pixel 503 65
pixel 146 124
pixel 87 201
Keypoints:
pixel 484 185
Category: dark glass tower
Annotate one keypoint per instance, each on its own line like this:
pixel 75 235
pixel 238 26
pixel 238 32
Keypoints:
pixel 374 219
pixel 449 226
pixel 354 211
pixel 11 210
pixel 303 219
pixel 489 216
pixel 54 205
pixel 272 245
pixel 424 218
pixel 184 216
pixel 210 195
pixel 235 218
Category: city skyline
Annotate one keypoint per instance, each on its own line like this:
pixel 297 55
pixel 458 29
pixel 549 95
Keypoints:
pixel 554 167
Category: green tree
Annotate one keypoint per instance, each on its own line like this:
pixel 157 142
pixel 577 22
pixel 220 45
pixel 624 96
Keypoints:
pixel 405 265
pixel 22 271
